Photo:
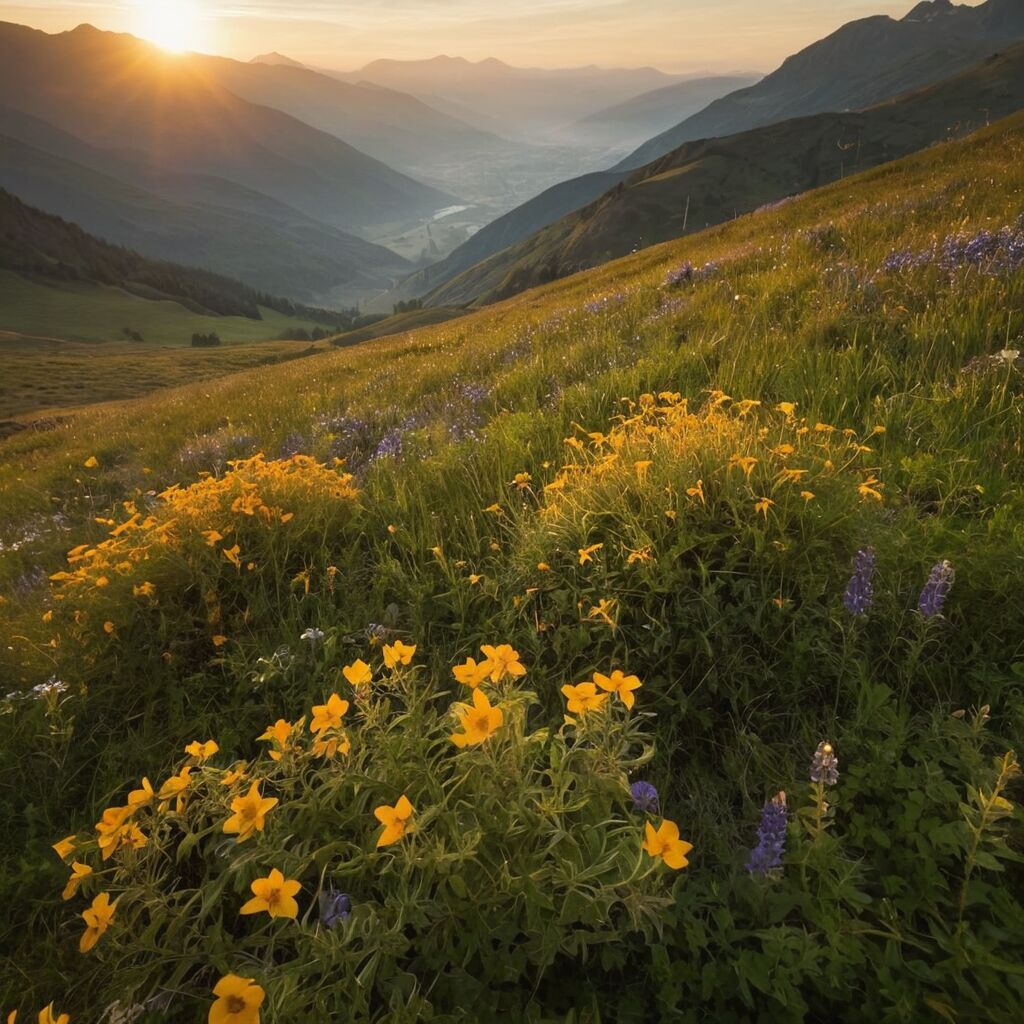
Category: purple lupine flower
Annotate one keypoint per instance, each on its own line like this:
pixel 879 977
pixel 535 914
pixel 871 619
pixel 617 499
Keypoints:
pixel 860 591
pixel 334 907
pixel 680 274
pixel 771 837
pixel 390 445
pixel 825 765
pixel 645 797
pixel 936 590
pixel 293 444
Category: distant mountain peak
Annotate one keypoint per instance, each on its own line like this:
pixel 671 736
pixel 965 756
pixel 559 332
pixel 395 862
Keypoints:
pixel 929 10
pixel 276 58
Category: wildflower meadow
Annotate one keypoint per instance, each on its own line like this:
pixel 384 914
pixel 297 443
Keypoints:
pixel 649 647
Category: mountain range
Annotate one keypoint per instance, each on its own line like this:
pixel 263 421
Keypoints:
pixel 712 180
pixel 877 58
pixel 862 63
pixel 529 103
pixel 119 93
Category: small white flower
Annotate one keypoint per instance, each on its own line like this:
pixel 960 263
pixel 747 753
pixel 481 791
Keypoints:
pixel 313 635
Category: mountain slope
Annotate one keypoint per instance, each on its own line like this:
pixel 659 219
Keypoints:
pixel 117 92
pixel 626 125
pixel 706 182
pixel 391 126
pixel 189 218
pixel 508 229
pixel 41 246
pixel 860 64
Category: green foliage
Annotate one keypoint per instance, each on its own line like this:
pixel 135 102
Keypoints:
pixel 898 897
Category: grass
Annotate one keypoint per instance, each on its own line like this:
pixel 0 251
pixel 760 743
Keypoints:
pixel 41 376
pixel 100 314
pixel 729 609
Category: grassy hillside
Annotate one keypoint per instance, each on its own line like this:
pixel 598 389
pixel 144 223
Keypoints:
pixel 707 182
pixel 400 323
pixel 565 473
pixel 43 247
pixel 43 376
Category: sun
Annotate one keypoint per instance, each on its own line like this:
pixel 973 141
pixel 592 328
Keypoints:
pixel 174 25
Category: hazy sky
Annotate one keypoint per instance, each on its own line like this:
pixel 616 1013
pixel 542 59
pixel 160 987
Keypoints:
pixel 676 35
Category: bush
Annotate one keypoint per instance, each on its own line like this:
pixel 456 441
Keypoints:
pixel 175 579
pixel 404 860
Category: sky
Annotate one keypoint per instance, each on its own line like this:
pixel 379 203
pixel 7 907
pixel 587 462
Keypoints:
pixel 674 35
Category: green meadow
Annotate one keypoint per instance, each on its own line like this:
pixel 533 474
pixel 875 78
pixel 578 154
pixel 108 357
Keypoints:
pixel 89 312
pixel 670 474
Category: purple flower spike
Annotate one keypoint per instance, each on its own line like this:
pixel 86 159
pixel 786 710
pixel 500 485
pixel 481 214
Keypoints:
pixel 645 797
pixel 771 837
pixel 936 590
pixel 860 591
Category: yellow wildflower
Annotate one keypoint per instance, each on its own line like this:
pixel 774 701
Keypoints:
pixel 277 734
pixel 64 847
pixel 396 820
pixel 218 640
pixel 212 537
pixel 587 554
pixel 583 698
pixel 202 751
pixel 358 673
pixel 48 1016
pixel 603 611
pixel 503 661
pixel 470 673
pixel 474 578
pixel 807 495
pixel 274 894
pixel 620 684
pixel 870 488
pixel 238 1001
pixel 175 788
pixel 250 813
pixel 398 654
pixel 544 567
pixel 522 481
pixel 697 491
pixel 91 463
pixel 236 774
pixel 97 920
pixel 330 744
pixel 744 462
pixel 328 715
pixel 664 842
pixel 478 722
pixel 788 409
pixel 231 554
pixel 79 871
pixel 141 797
pixel 762 506
pixel 639 555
